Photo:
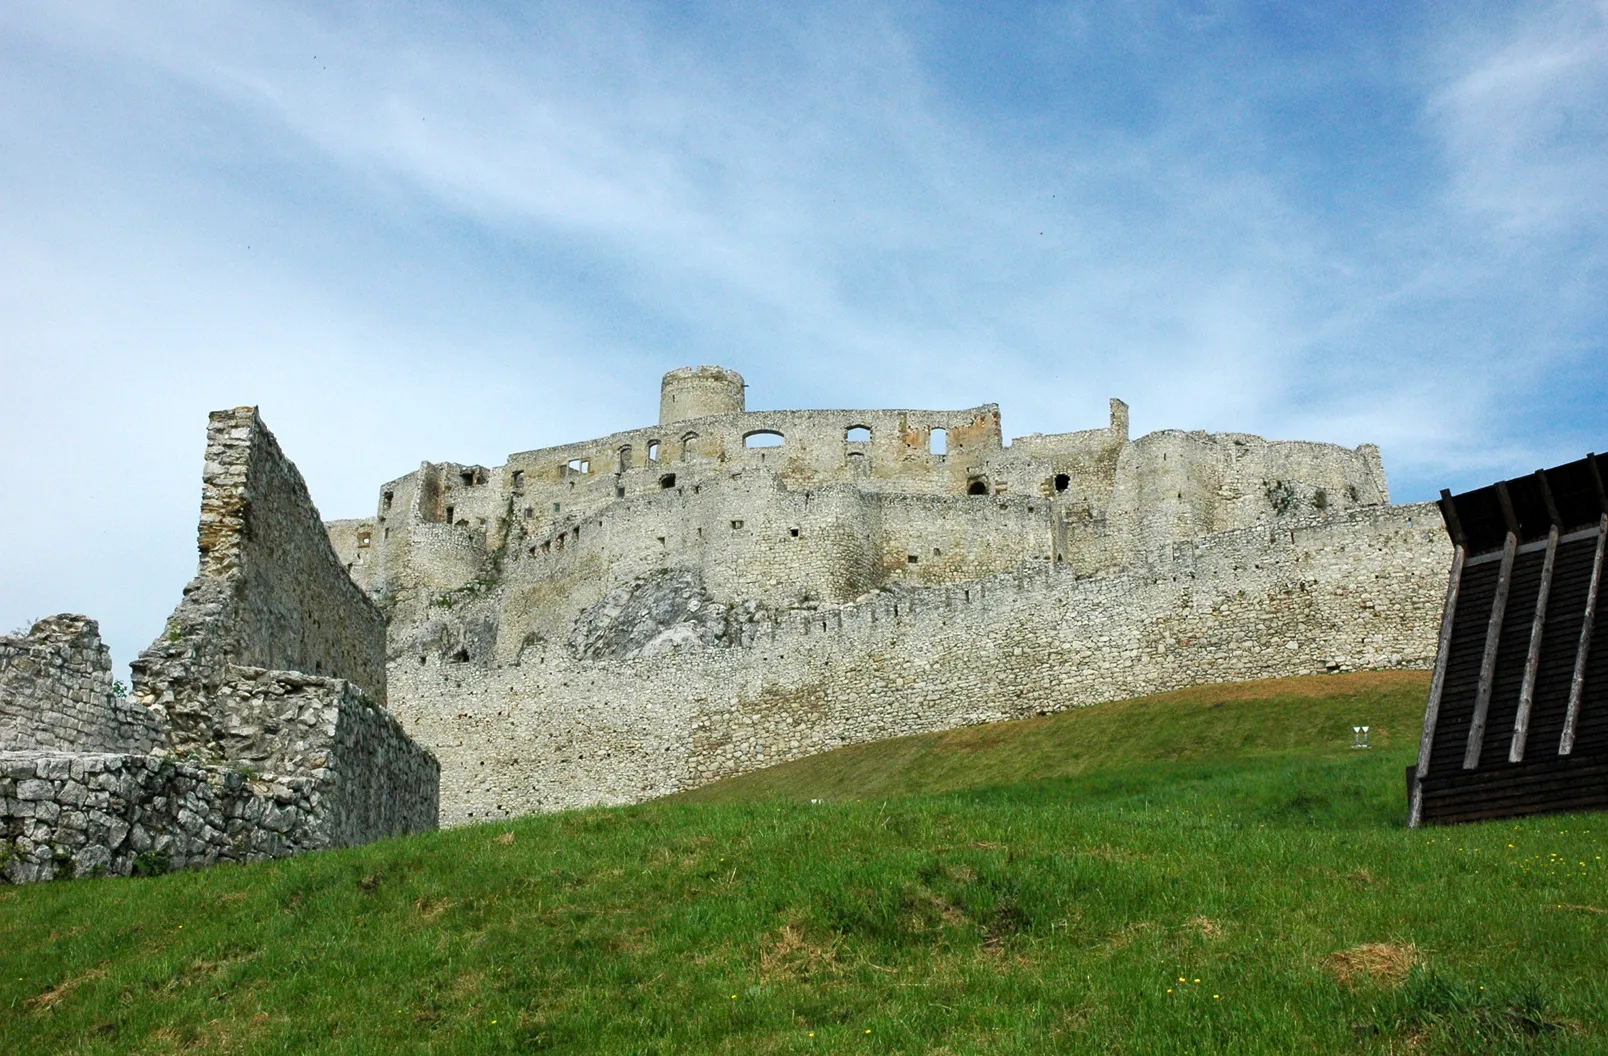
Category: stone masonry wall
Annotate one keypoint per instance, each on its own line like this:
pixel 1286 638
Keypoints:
pixel 269 593
pixel 1356 590
pixel 307 763
pixel 90 814
pixel 259 727
pixel 56 693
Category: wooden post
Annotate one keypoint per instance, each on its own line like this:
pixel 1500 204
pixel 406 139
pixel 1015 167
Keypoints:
pixel 1532 660
pixel 1577 684
pixel 1493 639
pixel 1437 684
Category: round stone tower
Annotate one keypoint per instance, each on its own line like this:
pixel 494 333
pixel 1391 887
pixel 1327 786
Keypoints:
pixel 695 392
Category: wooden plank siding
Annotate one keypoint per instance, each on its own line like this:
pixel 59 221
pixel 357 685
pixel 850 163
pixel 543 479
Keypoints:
pixel 1517 720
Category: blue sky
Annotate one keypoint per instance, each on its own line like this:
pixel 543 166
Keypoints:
pixel 431 231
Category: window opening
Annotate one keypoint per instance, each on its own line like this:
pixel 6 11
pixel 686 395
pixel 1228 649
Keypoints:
pixel 857 434
pixel 555 507
pixel 1062 481
pixel 519 479
pixel 763 438
pixel 735 525
pixel 686 445
pixel 912 558
pixel 653 451
pixel 938 442
pixel 625 458
pixel 388 497
pixel 977 487
pixel 365 539
pixel 793 532
pixel 667 481
pixel 449 514
pixel 619 491
pixel 579 465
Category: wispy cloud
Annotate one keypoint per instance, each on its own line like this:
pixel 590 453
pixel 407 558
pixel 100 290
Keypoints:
pixel 462 230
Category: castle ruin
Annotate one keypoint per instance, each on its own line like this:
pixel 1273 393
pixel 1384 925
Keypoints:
pixel 612 620
pixel 257 726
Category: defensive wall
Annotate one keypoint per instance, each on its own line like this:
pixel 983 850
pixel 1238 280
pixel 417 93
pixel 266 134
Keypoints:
pixel 552 729
pixel 258 724
pixel 617 619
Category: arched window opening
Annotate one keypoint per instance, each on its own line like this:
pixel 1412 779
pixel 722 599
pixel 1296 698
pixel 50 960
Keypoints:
pixel 653 451
pixel 977 487
pixel 1062 481
pixel 686 445
pixel 857 434
pixel 763 438
pixel 625 458
pixel 667 481
pixel 938 442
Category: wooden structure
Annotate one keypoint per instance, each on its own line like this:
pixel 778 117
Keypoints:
pixel 1517 721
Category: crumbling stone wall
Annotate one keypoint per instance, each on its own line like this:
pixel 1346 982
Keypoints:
pixel 227 752
pixel 270 592
pixel 56 693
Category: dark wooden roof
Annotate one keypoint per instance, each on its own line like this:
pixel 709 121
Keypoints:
pixel 1517 719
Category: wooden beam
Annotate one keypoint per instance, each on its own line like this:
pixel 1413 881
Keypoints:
pixel 1596 480
pixel 1493 639
pixel 1577 684
pixel 1437 685
pixel 1454 524
pixel 1532 660
pixel 1546 496
pixel 1509 518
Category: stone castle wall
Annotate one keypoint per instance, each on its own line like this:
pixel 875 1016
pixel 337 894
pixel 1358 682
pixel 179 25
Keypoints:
pixel 1355 590
pixel 269 591
pixel 56 693
pixel 225 751
pixel 562 626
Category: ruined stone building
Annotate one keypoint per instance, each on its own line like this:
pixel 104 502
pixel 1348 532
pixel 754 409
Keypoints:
pixel 619 618
pixel 257 726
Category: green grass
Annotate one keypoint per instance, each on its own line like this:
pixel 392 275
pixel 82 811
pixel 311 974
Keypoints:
pixel 1025 888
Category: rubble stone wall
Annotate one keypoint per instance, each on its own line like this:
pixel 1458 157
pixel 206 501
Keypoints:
pixel 258 728
pixel 91 814
pixel 56 693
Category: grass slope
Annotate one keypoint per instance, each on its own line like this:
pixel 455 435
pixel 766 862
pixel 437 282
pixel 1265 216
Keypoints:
pixel 1196 873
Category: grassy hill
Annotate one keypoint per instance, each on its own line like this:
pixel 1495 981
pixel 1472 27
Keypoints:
pixel 1207 871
